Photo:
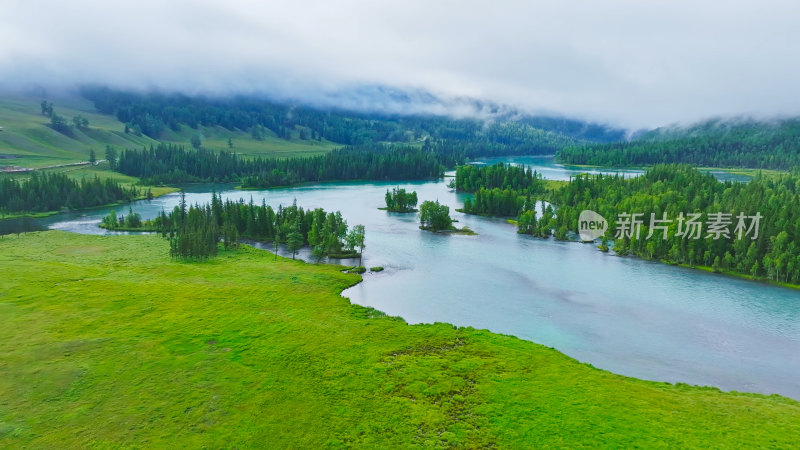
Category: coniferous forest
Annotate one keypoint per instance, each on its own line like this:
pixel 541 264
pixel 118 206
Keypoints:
pixel 152 114
pixel 174 164
pixel 712 144
pixel 44 192
pixel 194 231
pixel 668 192
pixel 676 189
pixel 470 178
pixel 499 190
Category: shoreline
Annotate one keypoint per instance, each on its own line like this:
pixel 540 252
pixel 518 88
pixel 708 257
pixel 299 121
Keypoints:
pixel 322 183
pixel 512 336
pixel 162 191
pixel 495 334
pixel 744 171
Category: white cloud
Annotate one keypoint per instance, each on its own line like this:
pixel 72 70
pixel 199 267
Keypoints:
pixel 627 62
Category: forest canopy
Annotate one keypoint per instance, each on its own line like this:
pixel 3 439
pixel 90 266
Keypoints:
pixel 663 199
pixel 499 190
pixel 398 200
pixel 44 192
pixel 748 144
pixel 154 113
pixel 195 231
pixel 174 164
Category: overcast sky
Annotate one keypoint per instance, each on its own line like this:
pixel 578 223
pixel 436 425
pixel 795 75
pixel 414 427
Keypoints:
pixel 631 63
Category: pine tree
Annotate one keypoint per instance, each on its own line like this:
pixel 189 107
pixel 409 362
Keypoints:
pixel 294 242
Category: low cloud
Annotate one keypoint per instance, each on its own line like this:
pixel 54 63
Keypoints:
pixel 631 63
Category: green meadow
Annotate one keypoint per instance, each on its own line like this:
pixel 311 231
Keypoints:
pixel 101 170
pixel 216 138
pixel 28 141
pixel 106 342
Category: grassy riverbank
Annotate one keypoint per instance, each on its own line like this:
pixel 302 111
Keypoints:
pixel 107 342
pixel 31 215
pixel 735 274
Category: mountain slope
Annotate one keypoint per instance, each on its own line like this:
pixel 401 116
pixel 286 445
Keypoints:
pixel 27 139
pixel 722 143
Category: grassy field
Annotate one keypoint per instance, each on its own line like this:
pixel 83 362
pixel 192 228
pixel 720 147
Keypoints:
pixel 216 138
pixel 555 184
pixel 27 137
pixel 28 141
pixel 101 170
pixel 746 172
pixel 107 342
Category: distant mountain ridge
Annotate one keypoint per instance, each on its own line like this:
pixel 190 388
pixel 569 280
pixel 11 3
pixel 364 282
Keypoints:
pixel 716 126
pixel 413 110
pixel 735 142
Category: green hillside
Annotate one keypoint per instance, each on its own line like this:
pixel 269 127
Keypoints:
pixel 106 342
pixel 28 141
pixel 243 143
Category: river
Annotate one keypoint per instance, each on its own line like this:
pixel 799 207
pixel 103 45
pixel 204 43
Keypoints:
pixel 625 315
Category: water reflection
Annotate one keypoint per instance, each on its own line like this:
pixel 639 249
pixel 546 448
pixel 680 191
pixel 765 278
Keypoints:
pixel 20 225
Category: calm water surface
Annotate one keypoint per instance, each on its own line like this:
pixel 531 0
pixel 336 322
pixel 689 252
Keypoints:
pixel 629 316
pixel 549 169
